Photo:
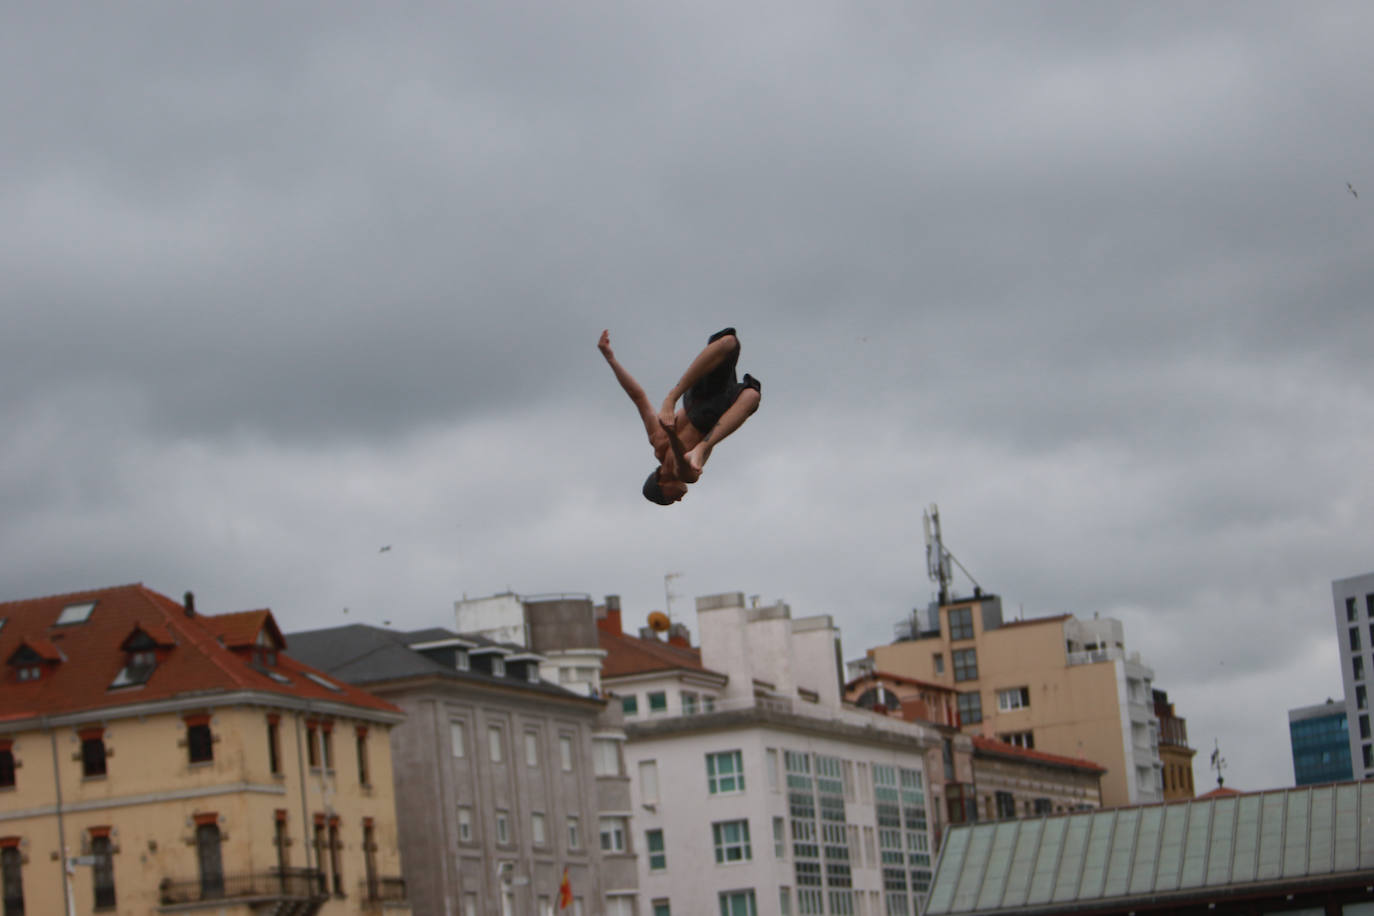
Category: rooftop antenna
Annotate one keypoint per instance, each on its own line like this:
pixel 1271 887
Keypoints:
pixel 668 593
pixel 1218 762
pixel 938 557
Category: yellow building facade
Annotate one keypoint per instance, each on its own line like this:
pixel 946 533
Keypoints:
pixel 209 772
pixel 1053 684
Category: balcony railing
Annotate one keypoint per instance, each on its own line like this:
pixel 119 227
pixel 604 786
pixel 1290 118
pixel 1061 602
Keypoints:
pixel 383 890
pixel 1096 656
pixel 299 883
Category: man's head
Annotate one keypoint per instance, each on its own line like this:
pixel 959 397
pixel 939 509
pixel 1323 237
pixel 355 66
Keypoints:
pixel 663 492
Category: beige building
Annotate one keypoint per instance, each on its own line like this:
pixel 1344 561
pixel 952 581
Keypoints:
pixel 1055 684
pixel 973 778
pixel 156 760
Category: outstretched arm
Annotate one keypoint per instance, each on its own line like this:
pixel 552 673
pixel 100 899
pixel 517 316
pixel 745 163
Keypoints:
pixel 632 388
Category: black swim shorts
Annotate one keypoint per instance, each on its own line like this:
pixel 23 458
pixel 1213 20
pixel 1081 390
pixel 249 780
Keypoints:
pixel 708 400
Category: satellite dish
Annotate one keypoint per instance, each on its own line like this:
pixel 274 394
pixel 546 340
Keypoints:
pixel 659 622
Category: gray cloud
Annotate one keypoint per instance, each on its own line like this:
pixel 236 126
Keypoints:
pixel 284 284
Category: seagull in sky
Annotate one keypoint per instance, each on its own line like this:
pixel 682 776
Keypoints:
pixel 385 549
pixel 1351 188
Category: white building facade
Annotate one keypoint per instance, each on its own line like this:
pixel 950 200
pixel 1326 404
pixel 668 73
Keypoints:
pixel 756 791
pixel 1353 603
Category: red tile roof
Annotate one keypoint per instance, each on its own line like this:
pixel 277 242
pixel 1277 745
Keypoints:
pixel 242 627
pixel 196 662
pixel 626 655
pixel 993 746
pixel 878 676
pixel 1221 792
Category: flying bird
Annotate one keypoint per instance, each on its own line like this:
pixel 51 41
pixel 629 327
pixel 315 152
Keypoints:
pixel 1351 188
pixel 385 549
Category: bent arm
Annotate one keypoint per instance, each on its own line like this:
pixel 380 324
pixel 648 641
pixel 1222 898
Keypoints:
pixel 685 471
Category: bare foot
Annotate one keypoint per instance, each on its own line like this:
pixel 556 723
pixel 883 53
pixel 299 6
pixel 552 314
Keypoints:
pixel 696 458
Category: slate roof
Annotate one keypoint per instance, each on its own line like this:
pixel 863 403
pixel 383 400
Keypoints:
pixel 89 656
pixel 364 654
pixel 1161 855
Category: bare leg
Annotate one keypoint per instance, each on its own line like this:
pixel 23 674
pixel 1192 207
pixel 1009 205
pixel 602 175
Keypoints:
pixel 731 420
pixel 716 352
pixel 632 388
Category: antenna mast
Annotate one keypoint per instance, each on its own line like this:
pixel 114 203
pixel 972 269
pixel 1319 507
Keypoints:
pixel 938 558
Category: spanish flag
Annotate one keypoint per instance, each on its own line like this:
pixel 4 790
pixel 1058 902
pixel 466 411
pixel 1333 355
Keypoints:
pixel 565 891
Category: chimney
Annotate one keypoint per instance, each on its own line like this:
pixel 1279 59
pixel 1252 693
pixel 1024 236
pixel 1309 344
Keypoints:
pixel 678 636
pixel 611 622
pixel 190 604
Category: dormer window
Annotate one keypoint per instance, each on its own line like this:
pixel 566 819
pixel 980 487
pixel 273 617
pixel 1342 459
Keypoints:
pixel 498 666
pixel 32 656
pixel 463 663
pixel 140 660
pixel 265 649
pixel 532 672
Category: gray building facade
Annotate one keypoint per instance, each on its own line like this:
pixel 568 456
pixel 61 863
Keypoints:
pixel 1353 603
pixel 503 780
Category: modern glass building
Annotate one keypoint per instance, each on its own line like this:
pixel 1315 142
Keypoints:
pixel 1320 736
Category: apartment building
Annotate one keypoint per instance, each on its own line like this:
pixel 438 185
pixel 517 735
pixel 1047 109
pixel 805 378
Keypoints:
pixel 503 780
pixel 1353 603
pixel 976 778
pixel 756 789
pixel 1055 684
pixel 155 759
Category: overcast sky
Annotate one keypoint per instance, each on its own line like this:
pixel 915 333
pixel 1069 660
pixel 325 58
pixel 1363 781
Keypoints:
pixel 285 284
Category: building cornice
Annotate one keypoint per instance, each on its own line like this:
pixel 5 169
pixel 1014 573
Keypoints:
pixel 774 718
pixel 147 798
pixel 200 701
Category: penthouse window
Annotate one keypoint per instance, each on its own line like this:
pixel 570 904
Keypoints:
pixel 1015 698
pixel 966 664
pixel 961 623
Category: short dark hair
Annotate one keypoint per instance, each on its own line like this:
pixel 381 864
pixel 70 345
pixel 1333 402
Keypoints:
pixel 653 492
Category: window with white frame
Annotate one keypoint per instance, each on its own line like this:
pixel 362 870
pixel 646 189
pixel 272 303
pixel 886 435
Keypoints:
pixel 531 748
pixel 731 840
pixel 620 906
pixel 537 834
pixel 738 903
pixel 574 832
pixel 1015 698
pixel 648 781
pixel 1019 739
pixel 464 824
pixel 502 826
pixel 779 838
pixel 725 772
pixel 612 831
pixel 658 857
pixel 689 703
pixel 565 752
pixel 457 734
pixel 606 756
pixel 498 666
pixel 658 702
pixel 495 744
